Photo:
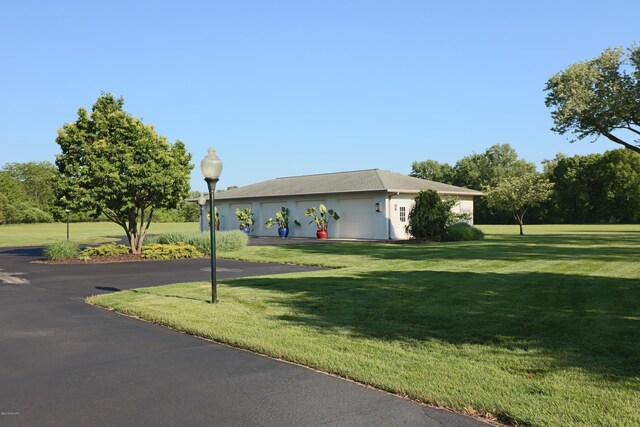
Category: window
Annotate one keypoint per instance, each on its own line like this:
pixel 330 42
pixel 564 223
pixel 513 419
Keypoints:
pixel 403 213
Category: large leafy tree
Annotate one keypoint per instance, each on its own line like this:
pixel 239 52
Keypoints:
pixel 518 194
pixel 38 180
pixel 600 97
pixel 113 164
pixel 618 173
pixel 480 171
pixel 477 171
pixel 577 196
pixel 433 171
pixel 488 169
pixel 26 192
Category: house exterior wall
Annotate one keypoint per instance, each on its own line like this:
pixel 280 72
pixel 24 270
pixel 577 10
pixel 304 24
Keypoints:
pixel 399 206
pixel 358 216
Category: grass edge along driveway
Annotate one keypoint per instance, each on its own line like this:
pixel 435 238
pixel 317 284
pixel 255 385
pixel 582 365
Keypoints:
pixel 541 330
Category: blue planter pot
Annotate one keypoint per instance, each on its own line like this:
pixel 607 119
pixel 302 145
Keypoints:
pixel 247 230
pixel 283 231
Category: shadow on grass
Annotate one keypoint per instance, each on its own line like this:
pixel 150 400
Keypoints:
pixel 612 247
pixel 591 323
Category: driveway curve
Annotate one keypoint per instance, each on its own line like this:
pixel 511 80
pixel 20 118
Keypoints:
pixel 65 363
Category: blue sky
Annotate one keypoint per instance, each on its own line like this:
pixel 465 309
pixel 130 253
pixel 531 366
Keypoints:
pixel 291 88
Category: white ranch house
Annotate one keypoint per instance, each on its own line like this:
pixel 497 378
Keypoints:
pixel 372 204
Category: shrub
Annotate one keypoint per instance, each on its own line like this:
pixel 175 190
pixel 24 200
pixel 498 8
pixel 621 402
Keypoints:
pixel 201 241
pixel 430 216
pixel 170 251
pixel 110 249
pixel 226 241
pixel 463 232
pixel 62 250
pixel 229 241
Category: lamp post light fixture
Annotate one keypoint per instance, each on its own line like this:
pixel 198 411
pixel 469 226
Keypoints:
pixel 67 211
pixel 202 200
pixel 211 167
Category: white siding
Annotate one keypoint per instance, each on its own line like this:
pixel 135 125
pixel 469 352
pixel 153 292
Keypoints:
pixel 358 217
pixel 464 206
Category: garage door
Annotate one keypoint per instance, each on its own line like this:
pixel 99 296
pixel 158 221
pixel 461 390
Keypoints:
pixel 356 218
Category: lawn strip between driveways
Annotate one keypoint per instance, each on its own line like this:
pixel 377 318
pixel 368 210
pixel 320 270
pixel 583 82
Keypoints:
pixel 539 330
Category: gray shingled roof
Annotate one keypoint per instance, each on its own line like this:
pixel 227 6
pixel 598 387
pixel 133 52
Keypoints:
pixel 342 182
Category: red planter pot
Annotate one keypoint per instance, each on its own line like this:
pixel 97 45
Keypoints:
pixel 321 234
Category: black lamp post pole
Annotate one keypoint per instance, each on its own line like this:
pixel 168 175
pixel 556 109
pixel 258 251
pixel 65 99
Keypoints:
pixel 212 221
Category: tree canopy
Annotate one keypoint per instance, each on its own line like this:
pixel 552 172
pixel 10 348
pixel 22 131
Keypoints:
pixel 113 164
pixel 600 97
pixel 27 192
pixel 519 193
pixel 477 171
pixel 433 171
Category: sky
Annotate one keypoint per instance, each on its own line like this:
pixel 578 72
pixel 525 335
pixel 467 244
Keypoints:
pixel 285 88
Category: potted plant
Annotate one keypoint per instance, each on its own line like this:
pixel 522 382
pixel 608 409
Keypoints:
pixel 322 220
pixel 245 219
pixel 282 219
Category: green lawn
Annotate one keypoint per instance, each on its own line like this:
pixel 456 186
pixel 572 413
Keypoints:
pixel 81 232
pixel 539 330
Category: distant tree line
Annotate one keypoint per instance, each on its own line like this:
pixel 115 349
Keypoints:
pixel 28 195
pixel 596 188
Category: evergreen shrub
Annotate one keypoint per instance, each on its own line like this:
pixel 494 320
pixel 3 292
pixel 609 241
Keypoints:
pixel 463 232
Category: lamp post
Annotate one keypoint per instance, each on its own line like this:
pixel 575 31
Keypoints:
pixel 211 167
pixel 202 200
pixel 67 211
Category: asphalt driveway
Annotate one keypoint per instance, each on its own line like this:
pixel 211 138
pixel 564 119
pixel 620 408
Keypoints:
pixel 65 363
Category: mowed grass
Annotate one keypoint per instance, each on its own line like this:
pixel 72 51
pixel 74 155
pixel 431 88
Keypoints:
pixel 12 235
pixel 538 330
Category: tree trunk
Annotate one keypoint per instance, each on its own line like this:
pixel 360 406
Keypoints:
pixel 520 219
pixel 133 242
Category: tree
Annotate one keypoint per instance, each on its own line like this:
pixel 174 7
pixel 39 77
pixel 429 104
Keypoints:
pixel 26 192
pixel 599 98
pixel 549 165
pixel 433 171
pixel 11 188
pixel 189 211
pixel 486 170
pixel 577 189
pixel 618 173
pixel 38 179
pixel 517 194
pixel 430 216
pixel 112 163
